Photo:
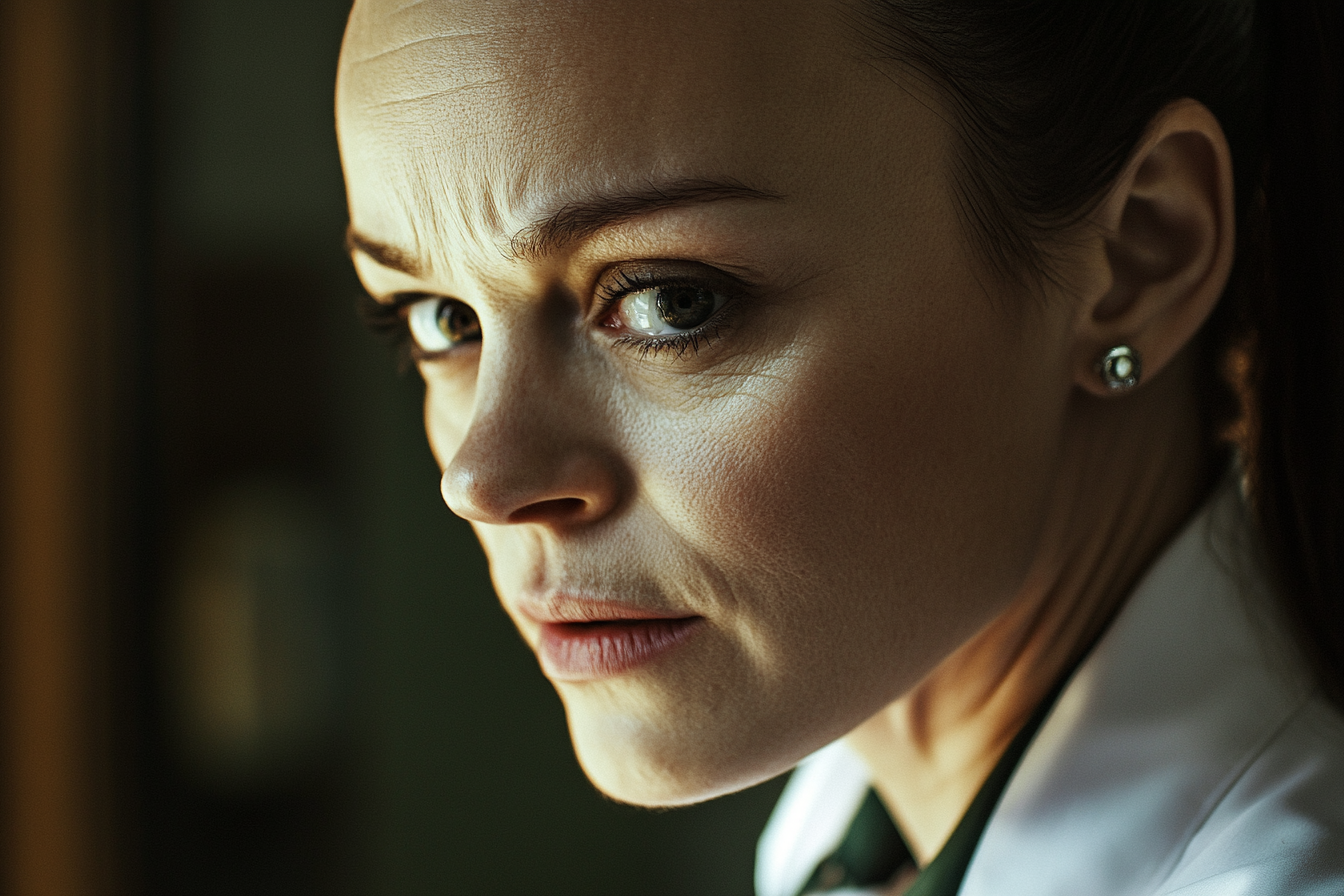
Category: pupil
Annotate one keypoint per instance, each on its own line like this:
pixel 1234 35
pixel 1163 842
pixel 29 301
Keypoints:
pixel 458 322
pixel 685 307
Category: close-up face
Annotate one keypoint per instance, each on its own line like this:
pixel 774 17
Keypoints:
pixel 750 435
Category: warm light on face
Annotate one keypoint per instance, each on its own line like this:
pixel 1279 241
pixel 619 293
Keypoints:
pixel 705 349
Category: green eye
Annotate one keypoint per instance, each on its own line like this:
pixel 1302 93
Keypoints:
pixel 684 307
pixel 438 325
pixel 662 310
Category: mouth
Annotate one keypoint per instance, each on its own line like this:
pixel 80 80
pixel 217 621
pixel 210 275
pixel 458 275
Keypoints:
pixel 585 641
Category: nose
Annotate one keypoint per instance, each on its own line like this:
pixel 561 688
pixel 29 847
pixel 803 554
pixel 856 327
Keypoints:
pixel 571 489
pixel 528 456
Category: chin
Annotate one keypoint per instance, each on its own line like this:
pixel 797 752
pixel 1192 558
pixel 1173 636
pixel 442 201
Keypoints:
pixel 640 777
pixel 642 763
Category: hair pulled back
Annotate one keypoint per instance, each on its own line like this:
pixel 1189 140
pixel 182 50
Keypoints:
pixel 1050 98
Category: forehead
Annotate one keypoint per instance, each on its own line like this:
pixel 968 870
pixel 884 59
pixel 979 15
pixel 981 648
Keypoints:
pixel 480 113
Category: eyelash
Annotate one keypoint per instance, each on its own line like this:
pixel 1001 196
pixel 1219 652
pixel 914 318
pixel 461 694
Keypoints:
pixel 387 320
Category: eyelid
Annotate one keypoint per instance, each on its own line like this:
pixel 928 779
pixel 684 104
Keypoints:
pixel 618 281
pixel 400 301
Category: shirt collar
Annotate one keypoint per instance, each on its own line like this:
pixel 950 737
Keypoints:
pixel 1152 728
pixel 1193 676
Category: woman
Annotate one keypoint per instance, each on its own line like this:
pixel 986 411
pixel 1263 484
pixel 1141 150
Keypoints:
pixel 852 375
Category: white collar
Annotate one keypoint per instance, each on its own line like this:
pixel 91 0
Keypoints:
pixel 1190 679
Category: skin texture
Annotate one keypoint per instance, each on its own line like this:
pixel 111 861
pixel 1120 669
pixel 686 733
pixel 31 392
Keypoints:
pixel 897 493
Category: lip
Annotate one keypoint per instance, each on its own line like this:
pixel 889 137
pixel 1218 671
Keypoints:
pixel 584 640
pixel 584 651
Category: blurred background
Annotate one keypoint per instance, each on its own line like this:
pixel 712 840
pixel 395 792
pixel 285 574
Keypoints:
pixel 243 646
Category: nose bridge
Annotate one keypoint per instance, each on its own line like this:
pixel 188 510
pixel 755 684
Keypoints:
pixel 517 392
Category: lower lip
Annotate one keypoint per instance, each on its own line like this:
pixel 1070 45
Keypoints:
pixel 583 651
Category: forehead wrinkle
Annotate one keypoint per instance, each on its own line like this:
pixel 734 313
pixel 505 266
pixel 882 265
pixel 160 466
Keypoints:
pixel 413 75
pixel 449 222
pixel 433 14
pixel 416 51
pixel 417 42
pixel 475 206
pixel 436 94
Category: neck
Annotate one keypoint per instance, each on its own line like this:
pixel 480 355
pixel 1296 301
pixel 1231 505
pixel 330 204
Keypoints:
pixel 1133 472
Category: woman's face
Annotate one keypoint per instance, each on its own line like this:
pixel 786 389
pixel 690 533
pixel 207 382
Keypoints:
pixel 742 389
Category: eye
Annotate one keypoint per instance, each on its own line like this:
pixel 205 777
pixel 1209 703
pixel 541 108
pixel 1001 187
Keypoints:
pixel 438 324
pixel 669 309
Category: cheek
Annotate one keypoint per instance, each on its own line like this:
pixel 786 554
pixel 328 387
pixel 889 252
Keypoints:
pixel 884 506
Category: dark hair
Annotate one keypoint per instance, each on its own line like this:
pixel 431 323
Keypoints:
pixel 1050 98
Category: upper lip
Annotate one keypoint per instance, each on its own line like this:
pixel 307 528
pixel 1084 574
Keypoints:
pixel 560 608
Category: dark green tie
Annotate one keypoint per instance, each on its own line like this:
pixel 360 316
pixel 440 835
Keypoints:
pixel 873 851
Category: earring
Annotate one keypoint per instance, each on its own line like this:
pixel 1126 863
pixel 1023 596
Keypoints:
pixel 1120 368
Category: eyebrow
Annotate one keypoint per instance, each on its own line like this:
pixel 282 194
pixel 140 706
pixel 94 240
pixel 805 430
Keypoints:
pixel 578 219
pixel 386 255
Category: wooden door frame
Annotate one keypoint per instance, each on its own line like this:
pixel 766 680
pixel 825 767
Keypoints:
pixel 66 247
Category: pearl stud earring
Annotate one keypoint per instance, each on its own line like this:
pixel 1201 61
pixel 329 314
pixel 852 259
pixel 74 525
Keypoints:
pixel 1120 368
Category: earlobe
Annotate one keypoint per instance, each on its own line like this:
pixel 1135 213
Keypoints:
pixel 1167 238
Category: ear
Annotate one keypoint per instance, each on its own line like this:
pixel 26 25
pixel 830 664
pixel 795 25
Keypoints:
pixel 1167 234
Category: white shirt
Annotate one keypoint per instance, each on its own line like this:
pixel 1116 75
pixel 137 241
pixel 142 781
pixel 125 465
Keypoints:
pixel 1189 754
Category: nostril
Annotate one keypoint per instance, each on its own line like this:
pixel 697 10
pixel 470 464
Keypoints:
pixel 553 509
